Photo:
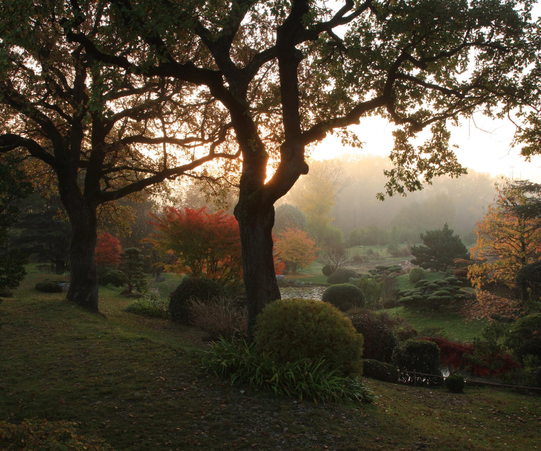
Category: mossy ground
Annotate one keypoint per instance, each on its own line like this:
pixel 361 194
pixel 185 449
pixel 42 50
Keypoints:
pixel 137 383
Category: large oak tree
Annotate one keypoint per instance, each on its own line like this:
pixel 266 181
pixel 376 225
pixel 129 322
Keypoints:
pixel 287 73
pixel 105 132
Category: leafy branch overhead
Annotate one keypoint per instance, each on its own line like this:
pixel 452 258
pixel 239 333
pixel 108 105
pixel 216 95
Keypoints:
pixel 288 75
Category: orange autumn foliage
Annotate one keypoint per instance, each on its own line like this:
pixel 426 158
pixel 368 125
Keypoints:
pixel 296 249
pixel 506 241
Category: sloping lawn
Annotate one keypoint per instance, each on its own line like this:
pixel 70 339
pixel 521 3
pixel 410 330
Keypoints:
pixel 137 384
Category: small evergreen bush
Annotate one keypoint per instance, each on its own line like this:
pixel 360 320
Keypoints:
pixel 150 305
pixel 524 338
pixel 372 290
pixel 342 276
pixel 192 288
pixel 131 264
pixel 293 329
pixel 344 296
pixel 416 274
pixel 418 356
pixel 379 340
pixel 327 270
pixel 455 383
pixel 112 277
pixel 49 286
pixel 380 371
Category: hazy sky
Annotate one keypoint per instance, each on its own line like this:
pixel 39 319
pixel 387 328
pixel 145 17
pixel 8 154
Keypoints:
pixel 484 145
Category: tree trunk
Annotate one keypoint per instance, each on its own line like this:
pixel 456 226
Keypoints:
pixel 257 258
pixel 83 289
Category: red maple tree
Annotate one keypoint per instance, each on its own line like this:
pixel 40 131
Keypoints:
pixel 107 250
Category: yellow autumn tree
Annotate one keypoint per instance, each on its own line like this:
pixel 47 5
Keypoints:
pixel 508 238
pixel 296 249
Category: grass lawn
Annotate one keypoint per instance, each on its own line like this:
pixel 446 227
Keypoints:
pixel 453 325
pixel 137 384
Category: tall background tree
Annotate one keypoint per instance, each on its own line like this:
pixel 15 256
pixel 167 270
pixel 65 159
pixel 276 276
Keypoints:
pixel 13 188
pixel 285 74
pixel 105 133
pixel 508 239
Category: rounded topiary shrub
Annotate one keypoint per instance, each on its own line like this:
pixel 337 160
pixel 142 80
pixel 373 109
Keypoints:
pixel 379 340
pixel 419 361
pixel 344 296
pixel 525 336
pixel 292 329
pixel 327 270
pixel 49 286
pixel 113 277
pixel 192 288
pixel 380 371
pixel 342 276
pixel 416 274
pixel 455 383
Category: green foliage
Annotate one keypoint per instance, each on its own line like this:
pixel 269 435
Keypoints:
pixel 418 356
pixel 372 290
pixel 13 188
pixel 304 378
pixel 524 338
pixel 288 216
pixel 327 270
pixel 150 304
pixel 440 248
pixel 192 288
pixel 416 274
pixel 379 340
pixel 114 277
pixel 38 434
pixel 43 232
pixel 344 296
pixel 455 383
pixel 434 295
pixel 380 371
pixel 342 276
pixel 49 286
pixel 533 376
pixel 292 329
pixel 132 262
pixel 528 281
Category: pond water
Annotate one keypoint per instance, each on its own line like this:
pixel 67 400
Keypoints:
pixel 304 292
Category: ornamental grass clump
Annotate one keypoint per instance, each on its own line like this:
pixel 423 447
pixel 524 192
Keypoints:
pixel 293 329
pixel 192 288
pixel 312 379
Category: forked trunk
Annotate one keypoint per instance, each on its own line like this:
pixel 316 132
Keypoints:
pixel 257 259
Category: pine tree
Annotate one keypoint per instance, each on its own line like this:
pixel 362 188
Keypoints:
pixel 440 248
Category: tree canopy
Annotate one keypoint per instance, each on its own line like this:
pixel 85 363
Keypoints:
pixel 272 76
pixel 104 132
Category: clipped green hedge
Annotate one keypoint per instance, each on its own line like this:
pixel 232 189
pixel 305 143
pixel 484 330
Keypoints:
pixel 344 296
pixel 418 356
pixel 380 371
pixel 192 288
pixel 293 329
pixel 342 276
